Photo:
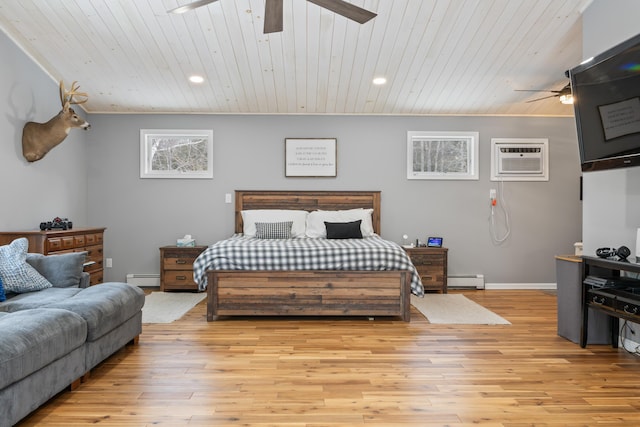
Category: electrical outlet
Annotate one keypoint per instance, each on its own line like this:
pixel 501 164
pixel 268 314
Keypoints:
pixel 108 262
pixel 227 198
pixel 493 193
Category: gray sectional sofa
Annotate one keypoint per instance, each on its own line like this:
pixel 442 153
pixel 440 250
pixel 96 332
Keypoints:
pixel 53 337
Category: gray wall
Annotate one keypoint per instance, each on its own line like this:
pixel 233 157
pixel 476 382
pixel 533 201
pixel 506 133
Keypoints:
pixel 144 214
pixel 93 178
pixel 55 185
pixel 611 211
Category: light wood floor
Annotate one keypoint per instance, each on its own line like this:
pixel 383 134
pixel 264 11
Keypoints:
pixel 353 372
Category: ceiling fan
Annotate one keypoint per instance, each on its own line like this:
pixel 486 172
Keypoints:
pixel 564 94
pixel 273 11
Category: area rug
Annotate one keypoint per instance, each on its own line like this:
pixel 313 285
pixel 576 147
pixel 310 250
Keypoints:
pixel 165 307
pixel 455 309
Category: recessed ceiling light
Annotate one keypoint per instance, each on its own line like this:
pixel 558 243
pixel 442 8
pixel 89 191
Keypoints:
pixel 196 79
pixel 379 81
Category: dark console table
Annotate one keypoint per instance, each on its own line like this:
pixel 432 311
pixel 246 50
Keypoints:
pixel 606 290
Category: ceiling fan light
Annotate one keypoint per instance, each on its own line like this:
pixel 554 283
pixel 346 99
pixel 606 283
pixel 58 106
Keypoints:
pixel 566 99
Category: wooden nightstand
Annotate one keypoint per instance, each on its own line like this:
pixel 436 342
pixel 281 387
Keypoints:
pixel 176 267
pixel 431 264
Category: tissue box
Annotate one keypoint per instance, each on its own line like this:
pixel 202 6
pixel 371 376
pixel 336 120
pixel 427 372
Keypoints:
pixel 186 243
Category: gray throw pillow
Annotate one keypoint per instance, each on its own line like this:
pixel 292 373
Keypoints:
pixel 274 230
pixel 17 275
pixel 62 270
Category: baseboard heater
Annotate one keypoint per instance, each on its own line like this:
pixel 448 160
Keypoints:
pixel 466 281
pixel 143 280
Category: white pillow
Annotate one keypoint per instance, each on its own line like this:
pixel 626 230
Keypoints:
pixel 250 217
pixel 316 219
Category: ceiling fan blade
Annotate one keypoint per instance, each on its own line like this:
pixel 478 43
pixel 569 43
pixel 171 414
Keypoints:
pixel 536 90
pixel 347 10
pixel 564 91
pixel 540 99
pixel 190 6
pixel 273 16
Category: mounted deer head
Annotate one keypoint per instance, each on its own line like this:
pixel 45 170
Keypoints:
pixel 39 138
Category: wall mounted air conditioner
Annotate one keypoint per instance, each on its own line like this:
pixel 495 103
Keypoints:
pixel 519 159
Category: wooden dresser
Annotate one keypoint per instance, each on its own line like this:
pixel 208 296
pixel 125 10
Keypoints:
pixel 431 264
pixel 58 241
pixel 176 267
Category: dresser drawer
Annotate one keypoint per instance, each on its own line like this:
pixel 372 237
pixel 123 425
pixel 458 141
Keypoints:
pixel 178 263
pixel 600 298
pixel 431 272
pixel 93 239
pixel 177 279
pixel 94 253
pixel 78 241
pixel 57 244
pixel 54 244
pixel 96 278
pixel 427 259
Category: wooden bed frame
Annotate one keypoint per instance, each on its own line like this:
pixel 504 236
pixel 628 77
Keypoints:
pixel 309 292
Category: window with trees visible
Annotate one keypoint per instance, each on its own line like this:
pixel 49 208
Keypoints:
pixel 176 153
pixel 442 155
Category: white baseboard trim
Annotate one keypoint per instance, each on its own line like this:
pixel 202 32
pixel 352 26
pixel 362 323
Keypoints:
pixel 508 286
pixel 144 280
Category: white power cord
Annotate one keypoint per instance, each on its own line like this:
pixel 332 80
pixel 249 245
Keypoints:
pixel 492 219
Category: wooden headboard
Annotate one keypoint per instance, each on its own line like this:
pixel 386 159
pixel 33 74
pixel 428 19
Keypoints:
pixel 308 200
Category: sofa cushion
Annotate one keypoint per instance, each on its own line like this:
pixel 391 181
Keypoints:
pixel 38 299
pixel 104 307
pixel 17 275
pixel 62 270
pixel 31 339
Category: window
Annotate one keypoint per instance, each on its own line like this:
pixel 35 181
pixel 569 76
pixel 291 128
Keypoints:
pixel 176 153
pixel 442 155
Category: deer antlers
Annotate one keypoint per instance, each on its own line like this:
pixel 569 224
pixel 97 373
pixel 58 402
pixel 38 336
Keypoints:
pixel 66 97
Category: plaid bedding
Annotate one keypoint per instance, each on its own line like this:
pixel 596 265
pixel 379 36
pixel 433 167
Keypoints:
pixel 248 253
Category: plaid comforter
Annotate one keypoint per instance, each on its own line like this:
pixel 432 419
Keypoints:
pixel 247 253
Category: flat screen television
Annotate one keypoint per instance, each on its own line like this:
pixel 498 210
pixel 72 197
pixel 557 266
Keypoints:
pixel 606 92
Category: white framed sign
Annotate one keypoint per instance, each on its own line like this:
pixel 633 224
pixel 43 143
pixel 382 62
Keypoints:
pixel 310 157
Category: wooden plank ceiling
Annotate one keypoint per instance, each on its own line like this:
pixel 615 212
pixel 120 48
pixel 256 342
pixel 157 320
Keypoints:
pixel 439 56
